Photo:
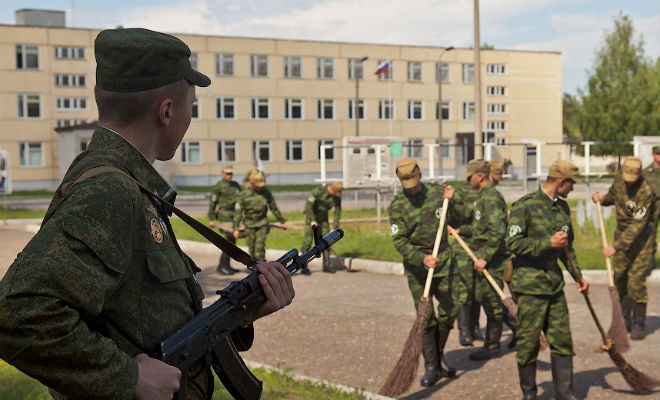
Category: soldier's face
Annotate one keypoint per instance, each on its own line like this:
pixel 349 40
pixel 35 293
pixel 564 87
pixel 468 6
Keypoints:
pixel 656 158
pixel 227 176
pixel 565 187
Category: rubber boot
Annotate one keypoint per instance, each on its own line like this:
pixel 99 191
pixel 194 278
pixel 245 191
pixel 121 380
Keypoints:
pixel 445 370
pixel 527 376
pixel 430 353
pixel 223 266
pixel 491 347
pixel 475 311
pixel 626 309
pixel 638 321
pixel 327 266
pixel 562 377
pixel 463 320
pixel 512 322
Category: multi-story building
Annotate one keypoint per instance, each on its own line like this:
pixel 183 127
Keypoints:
pixel 279 100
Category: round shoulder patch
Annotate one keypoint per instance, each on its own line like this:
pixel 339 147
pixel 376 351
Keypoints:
pixel 564 228
pixel 394 229
pixel 514 230
pixel 640 213
pixel 477 215
pixel 438 212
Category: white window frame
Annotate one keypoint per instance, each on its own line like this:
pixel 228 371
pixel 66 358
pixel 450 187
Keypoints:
pixel 495 90
pixel 196 107
pixel 321 105
pixel 362 111
pixel 290 146
pixel 72 80
pixel 385 105
pixel 468 107
pixel 289 104
pixel 496 126
pixel 187 146
pixel 220 103
pixel 413 107
pixel 416 148
pixel 467 73
pixel 258 145
pixel 64 123
pixel 257 62
pixel 24 151
pixel 255 105
pixel 289 67
pixel 71 53
pixel 437 112
pixel 446 148
pixel 500 141
pixel 495 69
pixel 415 71
pixel 325 142
pixel 221 148
pixel 24 55
pixel 322 65
pixel 496 108
pixel 22 104
pixel 445 68
pixel 355 67
pixel 224 62
pixel 389 75
pixel 74 103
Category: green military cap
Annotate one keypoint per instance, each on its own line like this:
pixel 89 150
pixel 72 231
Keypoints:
pixel 632 169
pixel 475 166
pixel 408 172
pixel 257 179
pixel 136 59
pixel 656 149
pixel 564 169
pixel 496 170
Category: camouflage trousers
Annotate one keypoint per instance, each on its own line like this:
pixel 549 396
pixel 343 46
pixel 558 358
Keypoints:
pixel 256 241
pixel 547 313
pixel 449 291
pixel 308 239
pixel 467 272
pixel 631 268
pixel 484 293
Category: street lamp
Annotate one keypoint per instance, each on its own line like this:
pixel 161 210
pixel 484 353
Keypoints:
pixel 357 94
pixel 442 51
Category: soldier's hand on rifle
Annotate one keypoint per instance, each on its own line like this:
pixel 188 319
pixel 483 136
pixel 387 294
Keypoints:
pixel 430 261
pixel 156 380
pixel 609 251
pixel 276 282
pixel 211 224
pixel 583 286
pixel 559 240
pixel 235 234
pixel 597 197
pixel 480 265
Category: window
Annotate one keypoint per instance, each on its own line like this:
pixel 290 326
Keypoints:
pixel 468 111
pixel 293 109
pixel 446 148
pixel 84 144
pixel 468 73
pixel 193 60
pixel 68 52
pixel 385 109
pixel 416 148
pixel 29 106
pixel 260 150
pixel 445 110
pixel 386 76
pixel 260 108
pixel 226 151
pixel 224 108
pixel 442 69
pixel 70 103
pixel 329 151
pixel 63 123
pixel 495 108
pixel 325 68
pixel 496 125
pixel 27 56
pixel 495 90
pixel 500 141
pixel 258 65
pixel 351 108
pixel 415 110
pixel 354 68
pixel 495 69
pixel 292 67
pixel 191 152
pixel 325 109
pixel 30 154
pixel 224 64
pixel 414 71
pixel 69 80
pixel 195 109
pixel 293 150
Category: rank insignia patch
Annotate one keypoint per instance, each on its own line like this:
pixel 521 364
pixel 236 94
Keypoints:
pixel 156 231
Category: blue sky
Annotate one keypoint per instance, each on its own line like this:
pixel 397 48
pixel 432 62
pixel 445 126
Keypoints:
pixel 573 27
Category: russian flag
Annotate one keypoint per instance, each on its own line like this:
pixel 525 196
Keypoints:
pixel 382 67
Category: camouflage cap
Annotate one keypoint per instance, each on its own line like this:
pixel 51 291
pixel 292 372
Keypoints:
pixel 257 179
pixel 496 170
pixel 475 166
pixel 564 169
pixel 136 59
pixel 227 169
pixel 656 150
pixel 408 172
pixel 631 169
pixel 337 187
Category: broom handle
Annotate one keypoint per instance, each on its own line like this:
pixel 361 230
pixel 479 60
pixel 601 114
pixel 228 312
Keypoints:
pixel 603 236
pixel 474 258
pixel 436 246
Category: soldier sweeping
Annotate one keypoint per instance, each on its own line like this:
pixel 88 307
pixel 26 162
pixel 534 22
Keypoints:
pixel 221 210
pixel 651 175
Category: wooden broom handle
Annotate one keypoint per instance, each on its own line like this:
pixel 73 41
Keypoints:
pixel 436 246
pixel 474 259
pixel 603 236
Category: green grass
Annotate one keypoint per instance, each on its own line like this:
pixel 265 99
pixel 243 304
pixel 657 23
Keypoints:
pixel 31 194
pixel 273 188
pixel 12 213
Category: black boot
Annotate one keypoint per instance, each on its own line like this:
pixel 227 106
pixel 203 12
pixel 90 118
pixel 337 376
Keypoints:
pixel 512 322
pixel 638 321
pixel 327 266
pixel 430 353
pixel 626 309
pixel 475 310
pixel 223 266
pixel 445 370
pixel 492 347
pixel 562 377
pixel 463 319
pixel 527 376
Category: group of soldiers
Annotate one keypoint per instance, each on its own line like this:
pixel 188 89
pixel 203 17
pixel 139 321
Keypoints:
pixel 521 247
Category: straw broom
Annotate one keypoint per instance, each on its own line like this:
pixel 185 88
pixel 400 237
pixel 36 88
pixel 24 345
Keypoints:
pixel 404 372
pixel 617 329
pixel 507 301
pixel 638 381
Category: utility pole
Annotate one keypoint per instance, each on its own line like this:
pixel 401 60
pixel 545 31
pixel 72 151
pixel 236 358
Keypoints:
pixel 357 94
pixel 477 84
pixel 440 159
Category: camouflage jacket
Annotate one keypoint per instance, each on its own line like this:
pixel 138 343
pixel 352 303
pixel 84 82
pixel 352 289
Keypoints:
pixel 534 218
pixel 635 206
pixel 465 198
pixel 489 225
pixel 414 222
pixel 102 281
pixel 252 208
pixel 223 200
pixel 319 203
pixel 652 177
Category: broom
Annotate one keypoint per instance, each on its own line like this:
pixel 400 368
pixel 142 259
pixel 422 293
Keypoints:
pixel 617 329
pixel 638 381
pixel 404 372
pixel 507 301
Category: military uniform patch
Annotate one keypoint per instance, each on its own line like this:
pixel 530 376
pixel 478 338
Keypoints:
pixel 477 215
pixel 152 210
pixel 564 228
pixel 514 230
pixel 395 229
pixel 438 212
pixel 156 231
pixel 640 213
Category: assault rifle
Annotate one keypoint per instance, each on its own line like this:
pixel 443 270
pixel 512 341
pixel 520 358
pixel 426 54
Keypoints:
pixel 207 335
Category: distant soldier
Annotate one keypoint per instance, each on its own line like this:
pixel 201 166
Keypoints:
pixel 539 229
pixel 651 175
pixel 221 209
pixel 252 208
pixel 246 177
pixel 634 240
pixel 318 204
pixel 414 218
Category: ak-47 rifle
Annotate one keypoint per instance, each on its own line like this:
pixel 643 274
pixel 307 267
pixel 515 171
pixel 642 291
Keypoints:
pixel 207 335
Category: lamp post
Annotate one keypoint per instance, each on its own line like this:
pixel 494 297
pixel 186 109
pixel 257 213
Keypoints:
pixel 357 94
pixel 440 170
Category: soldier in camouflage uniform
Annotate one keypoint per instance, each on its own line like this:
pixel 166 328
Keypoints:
pixel 414 216
pixel 103 282
pixel 221 210
pixel 651 175
pixel 318 204
pixel 252 209
pixel 634 240
pixel 538 231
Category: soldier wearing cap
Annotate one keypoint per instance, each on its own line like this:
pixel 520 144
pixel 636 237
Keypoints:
pixel 414 218
pixel 319 203
pixel 103 282
pixel 221 210
pixel 252 209
pixel 634 240
pixel 246 177
pixel 538 231
pixel 651 175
